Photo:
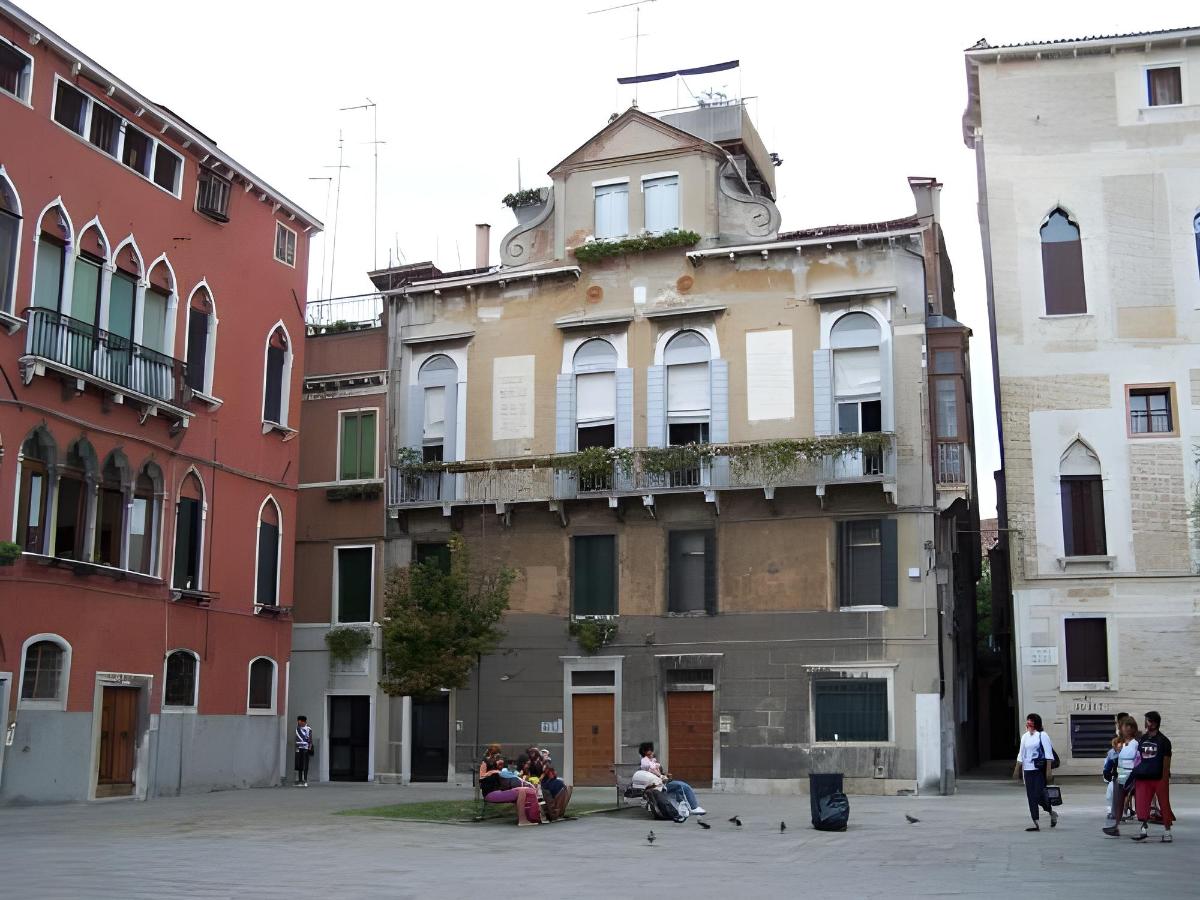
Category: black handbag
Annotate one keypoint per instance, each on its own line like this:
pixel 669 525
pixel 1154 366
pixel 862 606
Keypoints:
pixel 1054 794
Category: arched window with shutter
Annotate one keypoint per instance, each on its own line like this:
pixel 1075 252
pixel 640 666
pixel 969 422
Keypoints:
pixel 10 243
pixel 1062 266
pixel 1081 488
pixel 145 514
pixel 595 364
pixel 689 400
pixel 38 458
pixel 270 534
pixel 113 496
pixel 277 377
pixel 187 574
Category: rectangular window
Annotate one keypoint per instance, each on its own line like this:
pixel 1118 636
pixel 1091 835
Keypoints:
pixel 122 297
pixel 692 572
pixel 70 108
pixel 354 583
pixel 285 244
pixel 1083 515
pixel 197 349
pixel 273 395
pixel 850 709
pixel 48 274
pixel 212 195
pixel 268 564
pixel 138 147
pixel 1164 86
pixel 168 169
pixel 105 131
pixel 612 210
pixel 594 575
pixel 860 417
pixel 186 575
pixel 1151 410
pixel 593 678
pixel 867 563
pixel 680 433
pixel 85 289
pixel 437 554
pixel 16 71
pixel 1091 735
pixel 947 362
pixel 661 196
pixel 1086 641
pixel 357 451
pixel 154 320
pixel 946 406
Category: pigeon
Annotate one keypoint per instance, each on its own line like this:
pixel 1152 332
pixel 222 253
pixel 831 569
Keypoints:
pixel 736 821
pixel 650 837
pixel 911 820
pixel 703 824
pixel 782 827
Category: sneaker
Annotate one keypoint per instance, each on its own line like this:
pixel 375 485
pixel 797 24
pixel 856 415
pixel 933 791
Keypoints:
pixel 1033 827
pixel 1053 818
pixel 699 811
pixel 1141 835
pixel 1166 838
pixel 1112 831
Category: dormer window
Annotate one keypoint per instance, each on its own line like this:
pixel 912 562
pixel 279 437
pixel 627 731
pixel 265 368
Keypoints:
pixel 612 209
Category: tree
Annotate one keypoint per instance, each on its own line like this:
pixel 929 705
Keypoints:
pixel 983 612
pixel 439 620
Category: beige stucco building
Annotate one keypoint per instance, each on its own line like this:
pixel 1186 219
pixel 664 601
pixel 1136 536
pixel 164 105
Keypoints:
pixel 1088 154
pixel 771 612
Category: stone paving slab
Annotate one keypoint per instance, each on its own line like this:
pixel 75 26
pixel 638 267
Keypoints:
pixel 285 842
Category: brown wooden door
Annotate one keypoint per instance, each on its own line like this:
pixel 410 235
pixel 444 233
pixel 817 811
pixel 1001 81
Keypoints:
pixel 592 738
pixel 118 723
pixel 690 736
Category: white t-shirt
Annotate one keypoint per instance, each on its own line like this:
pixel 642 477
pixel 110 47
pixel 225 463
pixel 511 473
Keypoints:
pixel 1028 753
pixel 644 778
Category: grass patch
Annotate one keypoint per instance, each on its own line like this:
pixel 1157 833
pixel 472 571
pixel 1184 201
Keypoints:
pixel 457 811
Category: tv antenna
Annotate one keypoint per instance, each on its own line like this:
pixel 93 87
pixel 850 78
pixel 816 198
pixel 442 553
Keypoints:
pixel 375 141
pixel 328 179
pixel 637 32
pixel 337 204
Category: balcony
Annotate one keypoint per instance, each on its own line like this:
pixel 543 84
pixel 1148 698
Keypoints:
pixel 641 473
pixel 952 472
pixel 112 362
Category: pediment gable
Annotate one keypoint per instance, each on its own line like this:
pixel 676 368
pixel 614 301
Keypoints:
pixel 632 134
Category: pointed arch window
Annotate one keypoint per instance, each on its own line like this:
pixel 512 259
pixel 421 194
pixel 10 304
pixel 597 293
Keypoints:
pixel 110 543
pixel 1062 266
pixel 10 241
pixel 144 516
pixel 201 340
pixel 277 378
pixel 1081 487
pixel 689 399
pixel 595 364
pixel 54 236
pixel 91 258
pixel 33 499
pixel 266 587
pixel 189 534
pixel 74 501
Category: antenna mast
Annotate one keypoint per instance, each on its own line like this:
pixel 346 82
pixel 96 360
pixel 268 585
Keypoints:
pixel 375 142
pixel 337 203
pixel 637 33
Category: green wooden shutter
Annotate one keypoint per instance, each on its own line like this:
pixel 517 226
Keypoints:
pixel 888 588
pixel 594 577
pixel 366 445
pixel 354 584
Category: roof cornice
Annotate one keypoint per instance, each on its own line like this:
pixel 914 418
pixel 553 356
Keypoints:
pixel 1089 45
pixel 201 145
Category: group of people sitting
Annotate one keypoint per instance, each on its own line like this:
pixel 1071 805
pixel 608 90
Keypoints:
pixel 529 782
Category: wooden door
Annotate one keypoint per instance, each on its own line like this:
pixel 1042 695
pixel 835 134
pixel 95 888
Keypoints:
pixel 118 732
pixel 690 736
pixel 592 738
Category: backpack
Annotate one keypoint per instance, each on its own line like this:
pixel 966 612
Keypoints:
pixel 664 806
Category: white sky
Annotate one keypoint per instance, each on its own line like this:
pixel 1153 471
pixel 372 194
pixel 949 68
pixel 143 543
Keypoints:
pixel 853 97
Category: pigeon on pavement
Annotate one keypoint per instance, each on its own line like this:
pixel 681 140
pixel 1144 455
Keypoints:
pixel 650 837
pixel 782 827
pixel 703 824
pixel 911 820
pixel 736 821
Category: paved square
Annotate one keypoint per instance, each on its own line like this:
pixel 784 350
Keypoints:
pixel 285 843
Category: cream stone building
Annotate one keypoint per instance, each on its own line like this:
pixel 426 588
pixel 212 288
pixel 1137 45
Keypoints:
pixel 767 609
pixel 1088 154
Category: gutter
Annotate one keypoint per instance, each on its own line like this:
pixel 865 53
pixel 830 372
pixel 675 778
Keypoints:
pixel 695 255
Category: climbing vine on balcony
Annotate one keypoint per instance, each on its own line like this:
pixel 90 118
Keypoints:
pixel 592 635
pixel 347 644
pixel 594 250
pixel 770 460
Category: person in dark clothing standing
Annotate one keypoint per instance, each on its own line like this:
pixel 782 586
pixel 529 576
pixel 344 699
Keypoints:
pixel 1034 761
pixel 1151 778
pixel 304 747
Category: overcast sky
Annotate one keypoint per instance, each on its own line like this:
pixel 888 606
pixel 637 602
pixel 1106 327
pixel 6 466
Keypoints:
pixel 853 97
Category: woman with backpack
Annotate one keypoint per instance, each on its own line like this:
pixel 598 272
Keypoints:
pixel 1034 761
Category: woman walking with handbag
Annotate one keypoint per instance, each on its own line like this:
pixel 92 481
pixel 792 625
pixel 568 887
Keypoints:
pixel 1034 761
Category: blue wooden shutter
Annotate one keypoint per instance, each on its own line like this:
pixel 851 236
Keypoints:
pixel 564 429
pixel 450 441
pixel 414 420
pixel 624 423
pixel 718 381
pixel 822 392
pixel 656 413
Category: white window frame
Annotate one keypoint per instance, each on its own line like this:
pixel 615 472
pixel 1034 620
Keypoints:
pixel 336 613
pixel 274 707
pixel 1181 65
pixel 68 250
pixel 156 519
pixel 655 176
pixel 337 473
pixel 294 241
pixel 180 710
pixel 200 579
pixel 8 305
pixel 881 670
pixel 210 347
pixel 25 88
pixel 64 684
pixel 1110 635
pixel 87 128
pixel 285 382
pixel 270 498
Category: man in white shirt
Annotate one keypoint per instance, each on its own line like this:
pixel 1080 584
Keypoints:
pixel 1035 758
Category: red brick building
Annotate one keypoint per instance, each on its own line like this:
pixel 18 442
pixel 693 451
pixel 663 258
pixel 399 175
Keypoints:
pixel 151 328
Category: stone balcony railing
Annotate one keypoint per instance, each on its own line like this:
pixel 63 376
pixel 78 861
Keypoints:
pixel 718 468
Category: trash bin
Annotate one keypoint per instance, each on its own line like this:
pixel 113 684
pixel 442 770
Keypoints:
pixel 829 806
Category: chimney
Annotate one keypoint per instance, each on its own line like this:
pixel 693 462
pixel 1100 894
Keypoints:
pixel 483 241
pixel 927 194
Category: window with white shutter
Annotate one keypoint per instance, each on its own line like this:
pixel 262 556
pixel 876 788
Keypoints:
pixel 612 210
pixel 661 197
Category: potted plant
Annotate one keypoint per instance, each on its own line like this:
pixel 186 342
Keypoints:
pixel 9 553
pixel 527 203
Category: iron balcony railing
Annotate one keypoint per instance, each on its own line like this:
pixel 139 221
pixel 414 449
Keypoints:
pixel 952 463
pixel 106 357
pixel 344 313
pixel 518 481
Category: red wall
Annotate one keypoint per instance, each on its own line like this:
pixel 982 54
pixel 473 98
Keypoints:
pixel 120 625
